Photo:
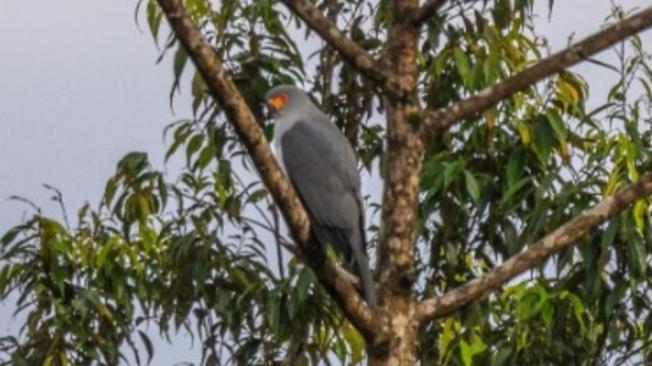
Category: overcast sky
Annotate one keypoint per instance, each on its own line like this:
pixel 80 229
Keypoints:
pixel 79 88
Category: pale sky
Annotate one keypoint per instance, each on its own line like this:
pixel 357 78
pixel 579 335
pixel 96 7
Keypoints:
pixel 79 88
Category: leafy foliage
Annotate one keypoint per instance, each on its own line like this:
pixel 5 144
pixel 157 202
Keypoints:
pixel 203 252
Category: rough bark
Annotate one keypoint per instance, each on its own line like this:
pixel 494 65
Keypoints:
pixel 445 117
pixel 562 237
pixel 334 279
pixel 403 165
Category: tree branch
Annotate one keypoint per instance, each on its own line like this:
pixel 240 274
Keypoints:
pixel 445 117
pixel 350 51
pixel 535 254
pixel 239 114
pixel 426 11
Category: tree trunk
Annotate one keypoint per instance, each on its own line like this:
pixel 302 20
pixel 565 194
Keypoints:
pixel 398 319
pixel 397 305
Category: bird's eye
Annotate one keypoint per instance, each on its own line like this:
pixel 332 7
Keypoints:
pixel 278 101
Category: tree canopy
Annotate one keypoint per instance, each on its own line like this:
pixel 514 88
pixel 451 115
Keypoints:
pixel 514 227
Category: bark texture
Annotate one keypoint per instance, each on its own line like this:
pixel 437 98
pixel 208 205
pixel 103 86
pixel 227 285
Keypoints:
pixel 403 163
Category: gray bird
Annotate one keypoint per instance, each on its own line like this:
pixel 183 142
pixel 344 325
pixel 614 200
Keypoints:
pixel 322 168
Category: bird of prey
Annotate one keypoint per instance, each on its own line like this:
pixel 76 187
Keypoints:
pixel 322 168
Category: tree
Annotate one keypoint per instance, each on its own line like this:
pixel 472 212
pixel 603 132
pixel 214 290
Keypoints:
pixel 491 161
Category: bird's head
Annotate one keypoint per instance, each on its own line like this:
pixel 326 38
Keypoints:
pixel 286 99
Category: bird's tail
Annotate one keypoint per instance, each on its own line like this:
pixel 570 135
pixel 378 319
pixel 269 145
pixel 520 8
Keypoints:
pixel 358 246
pixel 352 245
pixel 366 278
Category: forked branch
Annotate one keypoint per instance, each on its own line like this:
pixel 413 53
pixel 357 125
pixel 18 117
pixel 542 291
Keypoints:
pixel 535 254
pixel 348 49
pixel 334 279
pixel 445 117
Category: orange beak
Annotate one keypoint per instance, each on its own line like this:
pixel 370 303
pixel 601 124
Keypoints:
pixel 277 102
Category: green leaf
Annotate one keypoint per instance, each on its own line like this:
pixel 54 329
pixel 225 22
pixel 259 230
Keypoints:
pixel 300 293
pixel 609 235
pixel 133 163
pixel 63 357
pixel 154 17
pixel 543 141
pixel 466 353
pixel 355 341
pixel 451 171
pixel 109 191
pixel 148 235
pixel 198 88
pixel 547 312
pixel 501 358
pixel 440 62
pixel 463 65
pixel 446 337
pixel 206 155
pixel 515 166
pixel 507 196
pixel 163 191
pixel 273 311
pixel 193 146
pixel 9 236
pixel 570 89
pixel 492 69
pixel 615 297
pixel 524 132
pixel 637 257
pixel 477 344
pixel 306 278
pixel 212 360
pixel 578 310
pixel 257 196
pixel 104 252
pixel 48 361
pixel 477 77
pixel 557 124
pixel 639 214
pixel 180 135
pixel 531 303
pixel 148 345
pixel 197 8
pixel 472 186
pixel 4 279
pixel 180 60
pixel 502 13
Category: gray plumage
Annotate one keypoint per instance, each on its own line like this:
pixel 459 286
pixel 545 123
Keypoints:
pixel 321 166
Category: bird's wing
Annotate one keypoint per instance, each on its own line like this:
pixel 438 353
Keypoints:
pixel 322 168
pixel 319 169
